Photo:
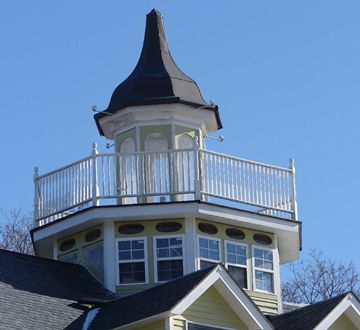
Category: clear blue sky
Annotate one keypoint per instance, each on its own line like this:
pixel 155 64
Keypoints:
pixel 285 74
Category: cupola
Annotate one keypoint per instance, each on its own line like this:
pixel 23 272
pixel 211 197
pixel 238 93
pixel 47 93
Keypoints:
pixel 159 87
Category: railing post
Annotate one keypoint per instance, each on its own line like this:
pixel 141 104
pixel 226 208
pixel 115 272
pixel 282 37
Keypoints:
pixel 36 195
pixel 95 187
pixel 197 183
pixel 293 187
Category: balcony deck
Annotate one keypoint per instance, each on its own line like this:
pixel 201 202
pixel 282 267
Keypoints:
pixel 173 175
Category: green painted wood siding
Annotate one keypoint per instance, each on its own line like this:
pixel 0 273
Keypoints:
pixel 213 310
pixel 343 323
pixel 267 303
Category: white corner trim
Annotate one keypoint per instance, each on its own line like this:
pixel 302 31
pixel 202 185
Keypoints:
pixel 89 318
pixel 109 256
pixel 349 305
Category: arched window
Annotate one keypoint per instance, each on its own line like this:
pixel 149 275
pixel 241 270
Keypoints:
pixel 185 177
pixel 157 178
pixel 127 171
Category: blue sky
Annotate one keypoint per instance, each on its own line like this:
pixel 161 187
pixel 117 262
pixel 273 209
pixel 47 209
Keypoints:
pixel 285 74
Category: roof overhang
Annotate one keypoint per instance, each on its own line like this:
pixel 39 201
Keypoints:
pixel 287 231
pixel 206 117
pixel 349 306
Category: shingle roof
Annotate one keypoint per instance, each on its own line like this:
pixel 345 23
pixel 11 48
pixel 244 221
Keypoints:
pixel 150 302
pixel 307 317
pixel 38 293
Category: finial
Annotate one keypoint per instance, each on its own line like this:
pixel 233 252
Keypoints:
pixel 292 163
pixel 94 150
pixel 36 172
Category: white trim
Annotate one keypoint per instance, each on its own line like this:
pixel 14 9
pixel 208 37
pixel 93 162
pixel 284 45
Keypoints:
pixel 246 266
pixel 240 303
pixel 109 256
pixel 145 260
pixel 191 245
pixel 265 270
pixel 198 249
pixel 277 279
pixel 349 305
pixel 156 259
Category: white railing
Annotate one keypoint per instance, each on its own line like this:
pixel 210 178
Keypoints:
pixel 174 175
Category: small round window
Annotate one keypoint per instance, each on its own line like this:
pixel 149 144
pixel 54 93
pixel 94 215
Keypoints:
pixel 262 239
pixel 235 233
pixel 168 227
pixel 67 245
pixel 207 228
pixel 92 235
pixel 131 229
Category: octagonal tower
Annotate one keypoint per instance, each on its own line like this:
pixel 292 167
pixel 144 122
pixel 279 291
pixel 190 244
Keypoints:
pixel 161 205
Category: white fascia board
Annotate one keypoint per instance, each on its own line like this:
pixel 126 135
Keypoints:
pixel 158 114
pixel 287 231
pixel 98 215
pixel 235 297
pixel 350 306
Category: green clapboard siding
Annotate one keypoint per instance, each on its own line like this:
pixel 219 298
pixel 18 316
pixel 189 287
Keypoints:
pixel 343 323
pixel 213 310
pixel 266 302
pixel 158 325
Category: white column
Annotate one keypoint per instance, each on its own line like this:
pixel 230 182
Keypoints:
pixel 109 256
pixel 277 275
pixel 190 245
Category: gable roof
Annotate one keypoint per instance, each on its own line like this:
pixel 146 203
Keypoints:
pixel 39 293
pixel 174 297
pixel 153 301
pixel 307 317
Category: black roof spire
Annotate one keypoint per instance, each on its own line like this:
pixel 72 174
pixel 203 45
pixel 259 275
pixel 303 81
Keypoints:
pixel 156 78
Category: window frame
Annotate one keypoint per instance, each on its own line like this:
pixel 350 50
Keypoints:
pixel 145 260
pixel 206 259
pixel 264 270
pixel 246 266
pixel 156 259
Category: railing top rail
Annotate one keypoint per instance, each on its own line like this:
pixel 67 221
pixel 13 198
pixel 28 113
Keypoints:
pixel 143 152
pixel 64 167
pixel 247 160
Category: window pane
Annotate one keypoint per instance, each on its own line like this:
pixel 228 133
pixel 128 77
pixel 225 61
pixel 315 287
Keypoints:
pixel 204 253
pixel 239 275
pixel 124 255
pixel 124 245
pixel 132 272
pixel 206 264
pixel 169 269
pixel 163 253
pixel 138 244
pixel 203 242
pixel 162 242
pixel 231 258
pixel 214 255
pixel 264 281
pixel 213 245
pixel 137 254
pixel 176 252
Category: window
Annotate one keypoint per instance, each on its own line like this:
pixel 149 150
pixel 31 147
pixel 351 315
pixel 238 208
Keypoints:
pixel 169 252
pixel 209 251
pixel 95 255
pixel 263 270
pixel 236 262
pixel 132 261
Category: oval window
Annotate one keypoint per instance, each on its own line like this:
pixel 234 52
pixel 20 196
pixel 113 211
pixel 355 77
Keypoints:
pixel 131 229
pixel 168 227
pixel 67 245
pixel 262 239
pixel 207 228
pixel 235 233
pixel 92 235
